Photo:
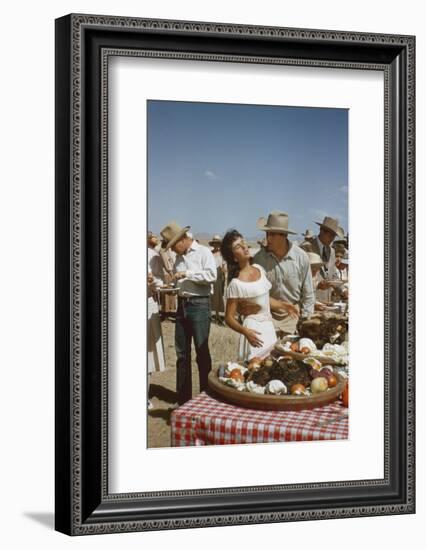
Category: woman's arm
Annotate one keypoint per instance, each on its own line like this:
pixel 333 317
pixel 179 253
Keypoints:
pixel 230 320
pixel 280 305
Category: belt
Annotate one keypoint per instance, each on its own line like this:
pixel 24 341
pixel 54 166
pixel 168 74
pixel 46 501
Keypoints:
pixel 193 298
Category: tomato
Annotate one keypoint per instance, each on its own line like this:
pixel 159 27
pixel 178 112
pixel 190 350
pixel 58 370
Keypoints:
pixel 237 375
pixel 345 396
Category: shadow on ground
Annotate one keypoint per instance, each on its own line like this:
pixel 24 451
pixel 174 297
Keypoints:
pixel 47 519
pixel 161 413
pixel 162 393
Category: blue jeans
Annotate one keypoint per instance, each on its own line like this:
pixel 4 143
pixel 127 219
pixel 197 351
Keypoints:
pixel 192 322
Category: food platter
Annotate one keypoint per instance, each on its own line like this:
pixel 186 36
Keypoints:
pixel 301 356
pixel 336 283
pixel 274 402
pixel 324 357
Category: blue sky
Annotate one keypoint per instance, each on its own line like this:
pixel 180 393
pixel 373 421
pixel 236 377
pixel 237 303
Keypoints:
pixel 216 166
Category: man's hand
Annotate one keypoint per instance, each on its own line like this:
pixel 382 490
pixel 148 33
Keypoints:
pixel 324 285
pixel 292 309
pixel 245 308
pixel 151 283
pixel 179 275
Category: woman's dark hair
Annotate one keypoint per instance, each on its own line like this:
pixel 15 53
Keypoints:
pixel 227 254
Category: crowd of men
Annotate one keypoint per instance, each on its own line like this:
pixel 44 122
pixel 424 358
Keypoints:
pixel 186 281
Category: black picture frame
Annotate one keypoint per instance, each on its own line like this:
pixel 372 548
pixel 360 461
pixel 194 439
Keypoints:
pixel 83 504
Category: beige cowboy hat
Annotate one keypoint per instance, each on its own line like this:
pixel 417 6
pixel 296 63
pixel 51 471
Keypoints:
pixel 314 259
pixel 308 234
pixel 172 232
pixel 276 222
pixel 342 238
pixel 306 246
pixel 340 248
pixel 331 224
pixel 215 240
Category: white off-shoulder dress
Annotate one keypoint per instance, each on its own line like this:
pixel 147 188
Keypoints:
pixel 256 292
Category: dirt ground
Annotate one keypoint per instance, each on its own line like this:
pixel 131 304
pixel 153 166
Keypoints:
pixel 223 344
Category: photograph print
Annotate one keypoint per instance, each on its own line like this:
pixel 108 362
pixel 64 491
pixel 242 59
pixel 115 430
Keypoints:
pixel 247 274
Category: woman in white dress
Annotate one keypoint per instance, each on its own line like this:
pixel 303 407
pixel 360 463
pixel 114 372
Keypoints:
pixel 248 282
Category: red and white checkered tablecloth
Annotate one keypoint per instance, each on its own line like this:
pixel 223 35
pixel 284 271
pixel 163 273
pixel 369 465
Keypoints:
pixel 205 420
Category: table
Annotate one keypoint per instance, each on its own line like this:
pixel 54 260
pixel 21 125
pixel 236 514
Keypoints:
pixel 204 420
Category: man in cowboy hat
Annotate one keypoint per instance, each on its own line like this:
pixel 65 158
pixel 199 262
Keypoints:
pixel 219 285
pixel 316 264
pixel 155 344
pixel 306 245
pixel 168 299
pixel 287 268
pixel 194 272
pixel 341 242
pixel 321 245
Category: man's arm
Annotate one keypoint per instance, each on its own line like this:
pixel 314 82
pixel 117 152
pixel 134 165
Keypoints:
pixel 208 272
pixel 307 299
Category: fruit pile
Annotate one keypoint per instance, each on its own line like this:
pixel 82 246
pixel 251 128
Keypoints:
pixel 279 376
pixel 324 328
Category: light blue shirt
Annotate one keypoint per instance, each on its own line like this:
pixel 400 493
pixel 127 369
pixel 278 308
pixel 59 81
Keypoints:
pixel 290 277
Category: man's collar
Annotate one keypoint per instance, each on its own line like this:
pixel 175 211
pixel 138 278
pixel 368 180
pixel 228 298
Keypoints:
pixel 290 252
pixel 194 246
pixel 319 242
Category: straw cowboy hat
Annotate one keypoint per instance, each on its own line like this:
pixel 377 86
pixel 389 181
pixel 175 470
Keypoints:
pixel 332 225
pixel 314 259
pixel 152 235
pixel 343 239
pixel 215 240
pixel 345 259
pixel 308 234
pixel 172 232
pixel 277 222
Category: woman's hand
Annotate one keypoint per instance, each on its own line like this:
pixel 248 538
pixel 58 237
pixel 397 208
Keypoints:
pixel 252 337
pixel 291 309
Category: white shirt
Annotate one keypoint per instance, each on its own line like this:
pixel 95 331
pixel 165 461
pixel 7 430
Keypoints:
pixel 200 267
pixel 329 270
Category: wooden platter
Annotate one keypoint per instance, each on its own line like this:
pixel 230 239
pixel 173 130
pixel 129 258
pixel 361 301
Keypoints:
pixel 274 402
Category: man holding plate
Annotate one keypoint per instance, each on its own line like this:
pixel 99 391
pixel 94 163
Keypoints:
pixel 321 245
pixel 194 272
